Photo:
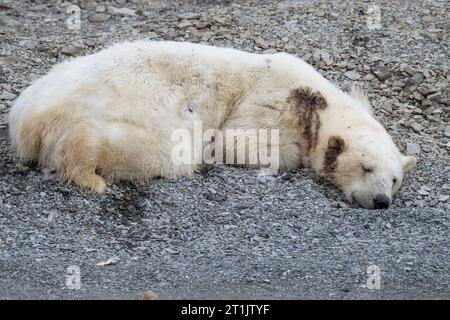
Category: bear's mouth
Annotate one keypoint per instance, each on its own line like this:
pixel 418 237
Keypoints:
pixel 355 202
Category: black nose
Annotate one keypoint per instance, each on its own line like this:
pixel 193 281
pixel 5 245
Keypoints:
pixel 381 201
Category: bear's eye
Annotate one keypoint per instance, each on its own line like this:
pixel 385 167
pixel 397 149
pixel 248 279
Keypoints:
pixel 366 169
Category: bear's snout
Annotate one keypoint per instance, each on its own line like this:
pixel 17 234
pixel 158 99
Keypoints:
pixel 381 201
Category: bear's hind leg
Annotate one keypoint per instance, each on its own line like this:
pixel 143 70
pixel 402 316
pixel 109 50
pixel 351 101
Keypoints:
pixel 76 158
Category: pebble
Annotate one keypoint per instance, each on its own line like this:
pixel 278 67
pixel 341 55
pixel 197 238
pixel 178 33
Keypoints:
pixel 21 168
pixel 408 69
pixel 426 90
pixel 412 149
pixel 29 44
pixel 184 24
pixel 352 75
pixel 426 103
pixel 417 78
pixel 150 295
pixel 70 50
pixel 418 96
pixel 261 43
pixel 7 95
pixel 325 56
pixel 100 9
pixel 111 261
pixel 447 133
pixel 382 73
pixel 189 16
pixel 434 96
pixel 416 127
pixel 99 17
pixel 289 47
pixel 122 11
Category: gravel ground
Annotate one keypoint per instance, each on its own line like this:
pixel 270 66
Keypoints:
pixel 234 233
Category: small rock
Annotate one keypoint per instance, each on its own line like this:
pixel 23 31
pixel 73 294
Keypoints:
pixel 52 215
pixel 184 24
pixel 189 16
pixel 150 295
pixel 423 192
pixel 171 251
pixel 120 2
pixel 419 203
pixel 426 90
pixel 434 96
pixel 412 149
pixel 261 43
pixel 122 11
pixel 289 47
pixel 447 132
pixel 99 17
pixel 21 168
pixel 417 96
pixel 7 95
pixel 215 197
pixel 70 50
pixel 90 42
pixel 408 69
pixel 220 20
pixel 108 262
pixel 223 31
pixel 29 44
pixel 397 83
pixel 387 107
pixel 192 30
pixel 100 9
pixel 202 24
pixel 382 73
pixel 416 127
pixel 316 54
pixel 325 57
pixel 352 75
pixel 417 78
pixel 426 103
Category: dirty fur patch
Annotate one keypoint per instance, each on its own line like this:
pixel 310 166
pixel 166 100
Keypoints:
pixel 335 147
pixel 307 105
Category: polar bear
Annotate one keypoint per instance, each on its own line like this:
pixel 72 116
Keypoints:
pixel 110 116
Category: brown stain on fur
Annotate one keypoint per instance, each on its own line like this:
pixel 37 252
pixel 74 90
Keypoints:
pixel 331 155
pixel 307 105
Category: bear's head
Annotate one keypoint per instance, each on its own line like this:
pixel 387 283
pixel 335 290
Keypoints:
pixel 369 170
pixel 342 141
pixel 360 158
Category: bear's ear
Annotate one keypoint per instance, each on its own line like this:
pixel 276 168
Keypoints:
pixel 336 143
pixel 359 95
pixel 409 163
